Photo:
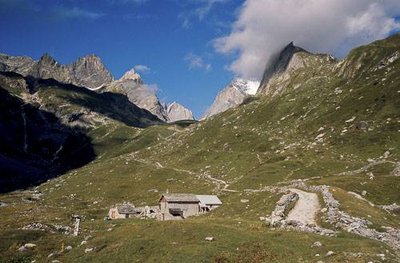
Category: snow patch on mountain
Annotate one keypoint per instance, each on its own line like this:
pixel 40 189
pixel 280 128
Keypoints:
pixel 232 95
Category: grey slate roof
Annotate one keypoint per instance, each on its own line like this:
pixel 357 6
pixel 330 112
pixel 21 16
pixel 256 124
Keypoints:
pixel 126 209
pixel 209 200
pixel 180 198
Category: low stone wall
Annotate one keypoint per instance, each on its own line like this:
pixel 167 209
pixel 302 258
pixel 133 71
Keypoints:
pixel 277 217
pixel 351 224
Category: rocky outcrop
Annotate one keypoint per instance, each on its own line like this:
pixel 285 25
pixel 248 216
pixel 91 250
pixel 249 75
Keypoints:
pixel 90 72
pixel 177 112
pixel 279 64
pixel 21 64
pixel 278 72
pixel 140 94
pixel 144 96
pixel 87 71
pixel 232 95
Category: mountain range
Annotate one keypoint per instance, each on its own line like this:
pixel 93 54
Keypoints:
pixel 89 72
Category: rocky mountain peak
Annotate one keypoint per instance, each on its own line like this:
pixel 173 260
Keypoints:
pixel 176 112
pixel 248 87
pixel 232 95
pixel 90 72
pixel 90 61
pixel 132 75
pixel 278 64
pixel 87 71
pixel 46 59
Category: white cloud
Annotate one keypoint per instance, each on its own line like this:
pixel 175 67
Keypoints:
pixel 76 12
pixel 142 69
pixel 205 7
pixel 197 62
pixel 199 9
pixel 263 27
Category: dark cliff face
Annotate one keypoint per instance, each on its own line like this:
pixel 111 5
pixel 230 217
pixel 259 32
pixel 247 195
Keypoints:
pixel 42 140
pixel 88 71
pixel 278 64
pixel 36 146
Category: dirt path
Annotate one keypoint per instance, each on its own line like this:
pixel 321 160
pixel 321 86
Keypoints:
pixel 220 184
pixel 306 207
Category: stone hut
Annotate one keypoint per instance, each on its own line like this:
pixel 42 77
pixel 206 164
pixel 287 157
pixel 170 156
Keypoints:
pixel 181 206
pixel 208 202
pixel 178 206
pixel 126 210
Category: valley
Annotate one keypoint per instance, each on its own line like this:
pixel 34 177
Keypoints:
pixel 327 130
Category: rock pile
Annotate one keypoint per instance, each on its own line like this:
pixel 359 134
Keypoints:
pixel 48 228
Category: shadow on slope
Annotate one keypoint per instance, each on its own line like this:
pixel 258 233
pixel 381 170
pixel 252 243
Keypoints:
pixel 112 105
pixel 36 146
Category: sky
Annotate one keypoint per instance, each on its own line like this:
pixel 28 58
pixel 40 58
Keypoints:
pixel 190 49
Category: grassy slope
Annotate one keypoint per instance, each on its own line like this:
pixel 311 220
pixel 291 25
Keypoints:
pixel 268 141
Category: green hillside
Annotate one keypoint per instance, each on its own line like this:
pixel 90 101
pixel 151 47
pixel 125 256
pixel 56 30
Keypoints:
pixel 333 123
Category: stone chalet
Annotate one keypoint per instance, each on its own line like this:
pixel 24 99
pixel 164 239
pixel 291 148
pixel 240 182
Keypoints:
pixel 126 210
pixel 181 206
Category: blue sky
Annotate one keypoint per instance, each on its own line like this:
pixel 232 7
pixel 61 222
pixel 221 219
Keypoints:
pixel 172 38
pixel 190 49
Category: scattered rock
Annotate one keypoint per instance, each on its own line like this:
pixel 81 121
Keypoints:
pixel 330 253
pixel 364 193
pixel 68 248
pixel 30 245
pixel 350 120
pixel 393 208
pixel 371 175
pixel 396 170
pixel 316 244
pixel 88 250
pixel 48 228
pixel 84 242
pixel 26 247
pixel 22 249
pixel 362 125
pixel 244 201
